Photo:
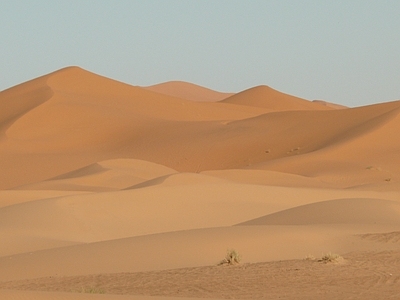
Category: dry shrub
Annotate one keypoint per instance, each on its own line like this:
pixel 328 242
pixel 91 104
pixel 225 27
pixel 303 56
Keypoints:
pixel 331 258
pixel 232 257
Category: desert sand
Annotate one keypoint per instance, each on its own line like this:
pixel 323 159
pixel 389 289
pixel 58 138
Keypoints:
pixel 112 191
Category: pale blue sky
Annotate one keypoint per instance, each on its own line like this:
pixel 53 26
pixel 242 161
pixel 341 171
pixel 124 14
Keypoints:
pixel 345 52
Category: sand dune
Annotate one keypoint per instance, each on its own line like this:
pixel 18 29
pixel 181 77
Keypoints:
pixel 355 157
pixel 124 186
pixel 93 118
pixel 87 127
pixel 266 97
pixel 188 91
pixel 338 211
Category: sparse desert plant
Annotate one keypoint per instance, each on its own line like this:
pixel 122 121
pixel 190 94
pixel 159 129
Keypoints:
pixel 310 257
pixel 232 257
pixel 330 258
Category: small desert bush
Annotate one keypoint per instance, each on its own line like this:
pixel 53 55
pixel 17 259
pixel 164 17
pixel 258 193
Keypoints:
pixel 330 258
pixel 232 257
pixel 310 257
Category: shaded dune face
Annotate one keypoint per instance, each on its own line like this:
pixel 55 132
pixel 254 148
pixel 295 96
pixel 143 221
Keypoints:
pixel 17 101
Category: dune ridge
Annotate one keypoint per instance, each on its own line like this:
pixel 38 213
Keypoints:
pixel 266 97
pixel 104 182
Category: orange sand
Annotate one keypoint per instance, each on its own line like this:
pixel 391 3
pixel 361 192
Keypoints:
pixel 138 192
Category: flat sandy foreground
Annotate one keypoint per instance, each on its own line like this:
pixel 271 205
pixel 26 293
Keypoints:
pixel 373 275
pixel 112 191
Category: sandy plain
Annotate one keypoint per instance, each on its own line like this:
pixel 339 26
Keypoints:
pixel 112 191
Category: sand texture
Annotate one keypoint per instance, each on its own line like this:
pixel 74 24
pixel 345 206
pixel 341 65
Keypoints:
pixel 111 191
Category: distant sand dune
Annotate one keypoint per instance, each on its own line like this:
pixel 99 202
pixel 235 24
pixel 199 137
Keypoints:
pixel 266 97
pixel 188 91
pixel 193 136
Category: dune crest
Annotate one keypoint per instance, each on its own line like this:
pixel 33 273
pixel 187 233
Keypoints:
pixel 266 97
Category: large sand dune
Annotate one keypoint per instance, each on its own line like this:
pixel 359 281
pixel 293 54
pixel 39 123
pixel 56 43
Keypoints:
pixel 138 192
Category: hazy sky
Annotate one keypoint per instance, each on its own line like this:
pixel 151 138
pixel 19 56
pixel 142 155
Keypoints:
pixel 345 52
